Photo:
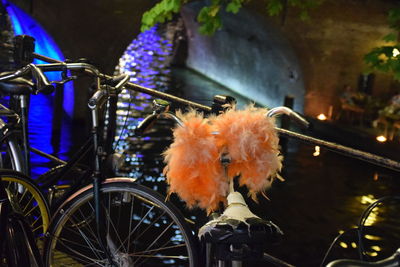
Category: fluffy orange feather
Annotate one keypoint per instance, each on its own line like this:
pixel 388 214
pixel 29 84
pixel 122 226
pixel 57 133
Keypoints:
pixel 194 170
pixel 250 139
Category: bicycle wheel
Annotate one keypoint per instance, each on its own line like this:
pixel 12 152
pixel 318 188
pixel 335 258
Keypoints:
pixel 141 230
pixel 27 199
pixel 20 249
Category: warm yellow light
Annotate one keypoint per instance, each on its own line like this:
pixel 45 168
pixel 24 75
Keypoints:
pixel 376 248
pixel 381 138
pixel 372 254
pixel 367 199
pixel 321 117
pixel 395 52
pixel 317 151
pixel 372 237
pixel 353 245
pixel 343 245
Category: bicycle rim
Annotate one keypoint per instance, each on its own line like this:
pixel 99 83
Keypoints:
pixel 141 230
pixel 28 200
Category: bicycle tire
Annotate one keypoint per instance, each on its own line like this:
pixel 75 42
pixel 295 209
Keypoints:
pixel 26 198
pixel 20 249
pixel 132 209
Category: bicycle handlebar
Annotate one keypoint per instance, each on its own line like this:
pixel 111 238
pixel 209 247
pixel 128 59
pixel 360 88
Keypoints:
pixel 391 261
pixel 141 89
pixel 292 114
pixel 149 120
pixel 41 81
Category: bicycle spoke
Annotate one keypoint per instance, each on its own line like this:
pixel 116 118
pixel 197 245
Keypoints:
pixel 159 236
pixel 22 196
pixel 64 242
pixel 77 233
pixel 91 231
pixel 28 204
pixel 137 226
pixel 130 221
pixel 76 255
pixel 159 249
pixel 143 232
pixel 115 230
pixel 31 210
pixel 38 219
pixel 85 238
pixel 37 228
pixel 162 257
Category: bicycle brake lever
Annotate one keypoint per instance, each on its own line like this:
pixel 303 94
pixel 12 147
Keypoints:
pixel 62 82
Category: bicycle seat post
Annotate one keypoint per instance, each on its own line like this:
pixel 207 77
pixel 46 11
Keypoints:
pixel 237 234
pixel 23 103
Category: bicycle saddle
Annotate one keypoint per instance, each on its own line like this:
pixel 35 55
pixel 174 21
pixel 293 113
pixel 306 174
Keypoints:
pixel 18 86
pixel 238 227
pixel 392 261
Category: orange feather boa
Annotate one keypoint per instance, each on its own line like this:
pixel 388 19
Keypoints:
pixel 194 170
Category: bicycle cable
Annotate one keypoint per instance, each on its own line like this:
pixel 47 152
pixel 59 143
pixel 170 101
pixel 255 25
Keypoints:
pixel 359 229
pixel 126 119
pixel 363 219
pixel 335 240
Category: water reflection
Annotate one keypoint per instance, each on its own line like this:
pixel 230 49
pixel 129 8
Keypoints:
pixel 42 108
pixel 145 60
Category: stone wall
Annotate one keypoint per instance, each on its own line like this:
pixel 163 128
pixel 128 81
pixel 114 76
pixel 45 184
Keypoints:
pixel 249 56
pixel 268 58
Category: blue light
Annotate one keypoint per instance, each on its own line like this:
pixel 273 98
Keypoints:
pixel 45 45
pixel 41 106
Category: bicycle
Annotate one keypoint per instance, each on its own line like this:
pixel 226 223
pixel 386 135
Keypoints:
pixel 122 195
pixel 84 231
pixel 79 213
pixel 24 194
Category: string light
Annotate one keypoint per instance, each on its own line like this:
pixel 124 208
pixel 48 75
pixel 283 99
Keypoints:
pixel 321 117
pixel 381 138
pixel 317 151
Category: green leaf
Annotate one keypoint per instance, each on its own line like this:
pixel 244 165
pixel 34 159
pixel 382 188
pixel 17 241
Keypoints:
pixel 203 14
pixel 233 7
pixel 214 10
pixel 274 7
pixel 211 26
pixel 161 12
pixel 177 6
pixel 391 37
